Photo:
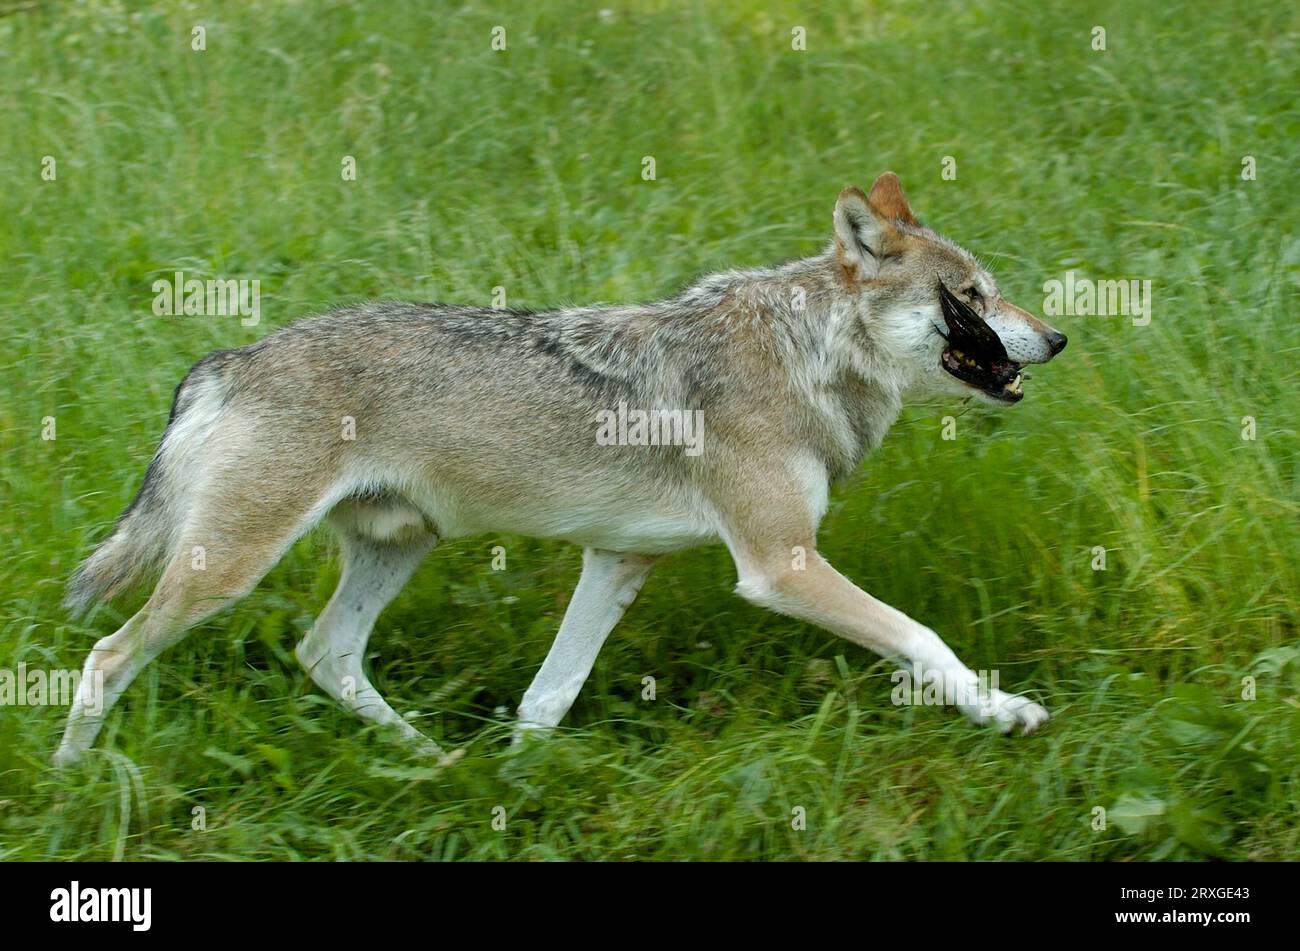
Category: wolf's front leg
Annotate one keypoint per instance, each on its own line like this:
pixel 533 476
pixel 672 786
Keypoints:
pixel 816 592
pixel 608 585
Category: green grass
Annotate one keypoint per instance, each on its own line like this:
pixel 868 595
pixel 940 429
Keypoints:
pixel 522 169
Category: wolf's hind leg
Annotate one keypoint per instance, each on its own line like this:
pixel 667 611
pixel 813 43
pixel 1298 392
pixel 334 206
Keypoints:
pixel 374 571
pixel 189 591
pixel 608 586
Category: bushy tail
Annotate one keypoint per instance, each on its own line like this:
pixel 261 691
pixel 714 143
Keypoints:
pixel 148 531
pixel 133 551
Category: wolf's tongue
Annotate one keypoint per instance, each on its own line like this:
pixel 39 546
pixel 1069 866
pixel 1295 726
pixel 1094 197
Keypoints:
pixel 967 330
pixel 1005 372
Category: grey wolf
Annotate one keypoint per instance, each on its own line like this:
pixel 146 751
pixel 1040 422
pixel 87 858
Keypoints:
pixel 399 424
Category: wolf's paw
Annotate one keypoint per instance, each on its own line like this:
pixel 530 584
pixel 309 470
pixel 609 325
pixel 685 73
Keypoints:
pixel 65 756
pixel 449 759
pixel 526 732
pixel 1009 712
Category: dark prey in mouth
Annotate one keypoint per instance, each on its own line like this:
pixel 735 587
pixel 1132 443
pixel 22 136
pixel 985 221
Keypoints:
pixel 975 354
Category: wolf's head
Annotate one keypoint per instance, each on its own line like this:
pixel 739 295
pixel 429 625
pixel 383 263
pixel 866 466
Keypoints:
pixel 929 303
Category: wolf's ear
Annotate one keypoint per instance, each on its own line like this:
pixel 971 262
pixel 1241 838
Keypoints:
pixel 888 201
pixel 863 236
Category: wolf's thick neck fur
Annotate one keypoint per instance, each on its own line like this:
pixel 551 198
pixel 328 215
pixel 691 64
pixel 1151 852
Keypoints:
pixel 804 327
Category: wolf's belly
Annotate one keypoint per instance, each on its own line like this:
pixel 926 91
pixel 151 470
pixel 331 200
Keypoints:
pixel 597 519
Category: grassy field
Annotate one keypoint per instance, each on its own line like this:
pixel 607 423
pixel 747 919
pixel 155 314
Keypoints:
pixel 522 169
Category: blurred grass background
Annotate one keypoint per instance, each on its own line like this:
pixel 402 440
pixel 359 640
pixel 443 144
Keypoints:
pixel 522 169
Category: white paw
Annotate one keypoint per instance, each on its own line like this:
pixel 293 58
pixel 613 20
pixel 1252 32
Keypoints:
pixel 449 759
pixel 1009 712
pixel 526 731
pixel 65 756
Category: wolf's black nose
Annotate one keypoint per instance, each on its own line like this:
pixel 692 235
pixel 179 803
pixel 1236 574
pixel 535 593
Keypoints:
pixel 1056 341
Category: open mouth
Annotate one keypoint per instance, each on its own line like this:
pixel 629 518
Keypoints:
pixel 975 354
